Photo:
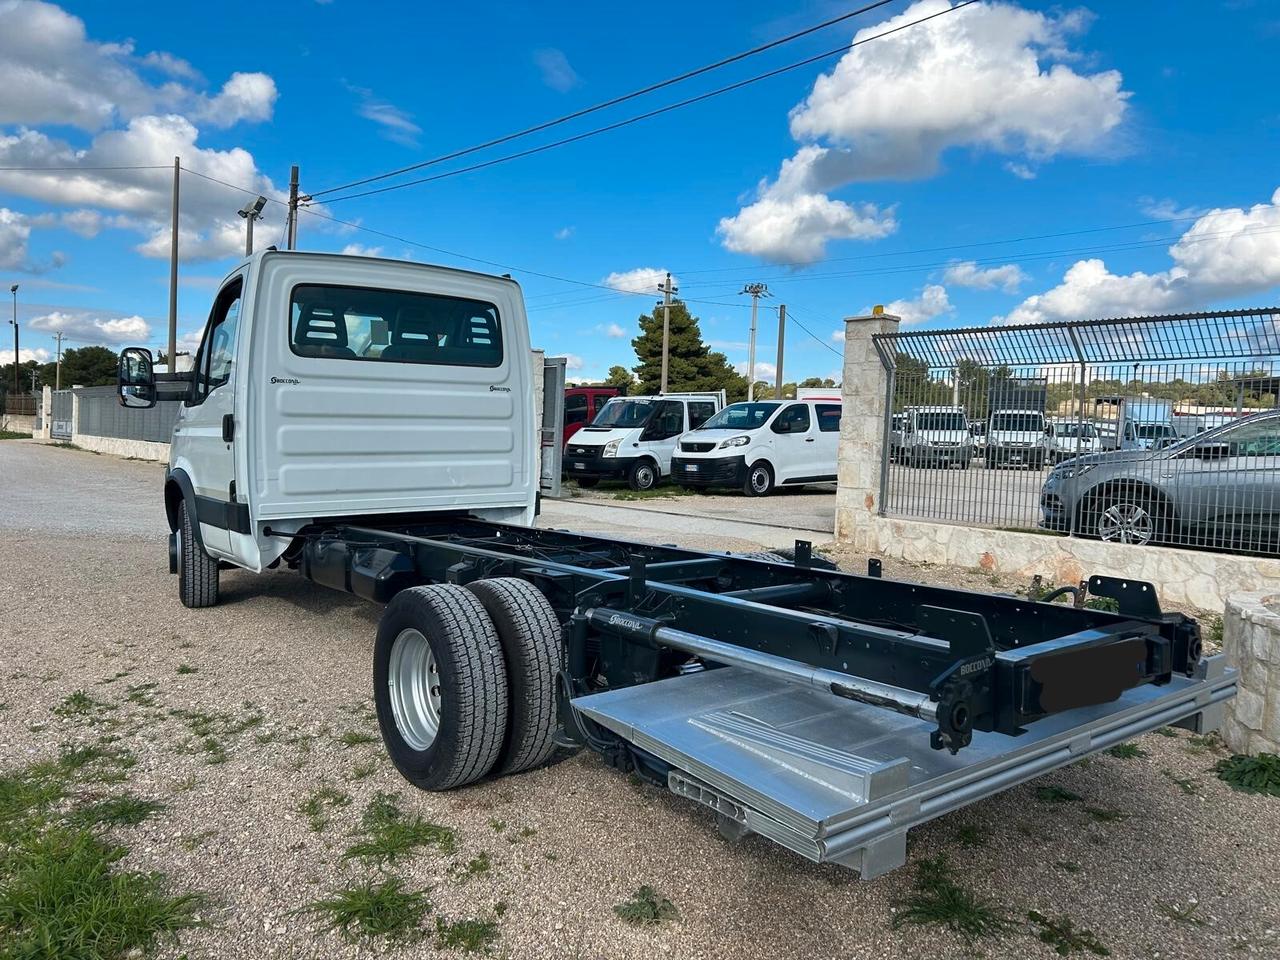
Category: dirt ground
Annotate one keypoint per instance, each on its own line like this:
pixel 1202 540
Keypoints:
pixel 1154 855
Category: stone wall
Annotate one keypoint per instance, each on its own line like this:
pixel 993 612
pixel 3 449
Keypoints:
pixel 16 423
pixel 1251 638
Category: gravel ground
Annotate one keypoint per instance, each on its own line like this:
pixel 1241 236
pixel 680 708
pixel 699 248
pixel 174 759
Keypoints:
pixel 86 604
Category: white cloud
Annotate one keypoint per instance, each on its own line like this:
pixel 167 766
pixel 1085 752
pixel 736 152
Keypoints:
pixel 556 71
pixel 173 66
pixel 246 96
pixel 39 355
pixel 89 327
pixel 564 233
pixel 992 77
pixel 1022 171
pixel 396 125
pixel 639 280
pixel 932 302
pixel 1166 209
pixel 572 362
pixel 360 250
pixel 15 236
pixel 968 274
pixel 613 330
pixel 1226 253
pixel 764 371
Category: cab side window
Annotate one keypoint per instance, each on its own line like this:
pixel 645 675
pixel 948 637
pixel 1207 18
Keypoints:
pixel 700 411
pixel 796 415
pixel 667 422
pixel 216 357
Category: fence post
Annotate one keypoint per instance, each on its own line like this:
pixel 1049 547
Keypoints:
pixel 865 385
pixel 46 412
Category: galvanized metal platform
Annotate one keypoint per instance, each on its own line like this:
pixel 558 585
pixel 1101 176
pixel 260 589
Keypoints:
pixel 839 781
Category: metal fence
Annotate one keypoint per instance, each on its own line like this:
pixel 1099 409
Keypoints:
pixel 101 415
pixel 60 407
pixel 1153 430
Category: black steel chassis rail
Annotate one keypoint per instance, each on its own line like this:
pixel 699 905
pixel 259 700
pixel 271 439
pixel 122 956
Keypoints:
pixel 635 613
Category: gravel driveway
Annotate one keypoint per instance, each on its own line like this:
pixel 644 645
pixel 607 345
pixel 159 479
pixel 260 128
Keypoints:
pixel 1154 855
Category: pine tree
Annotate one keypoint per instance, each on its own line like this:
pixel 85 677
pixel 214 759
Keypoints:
pixel 691 364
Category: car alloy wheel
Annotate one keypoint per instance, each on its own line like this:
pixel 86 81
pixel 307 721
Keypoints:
pixel 1126 523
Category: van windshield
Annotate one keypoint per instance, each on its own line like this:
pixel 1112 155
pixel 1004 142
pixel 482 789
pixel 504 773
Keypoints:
pixel 943 420
pixel 1155 431
pixel 625 413
pixel 741 416
pixel 1082 430
pixel 1018 422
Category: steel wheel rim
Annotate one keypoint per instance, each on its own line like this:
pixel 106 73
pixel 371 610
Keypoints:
pixel 759 479
pixel 1126 523
pixel 413 683
pixel 644 477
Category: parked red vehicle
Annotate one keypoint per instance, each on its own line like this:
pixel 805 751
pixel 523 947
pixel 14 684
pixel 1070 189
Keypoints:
pixel 581 404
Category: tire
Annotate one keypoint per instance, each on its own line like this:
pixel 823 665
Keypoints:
pixel 586 483
pixel 455 737
pixel 643 475
pixel 197 571
pixel 530 634
pixel 1126 517
pixel 759 482
pixel 964 464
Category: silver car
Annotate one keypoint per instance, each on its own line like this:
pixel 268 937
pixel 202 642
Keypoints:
pixel 1220 489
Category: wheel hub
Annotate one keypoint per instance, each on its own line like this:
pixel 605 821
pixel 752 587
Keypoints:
pixel 413 685
pixel 1126 523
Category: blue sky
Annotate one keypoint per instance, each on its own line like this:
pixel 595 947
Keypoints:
pixel 890 174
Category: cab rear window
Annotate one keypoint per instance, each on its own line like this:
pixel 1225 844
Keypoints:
pixel 359 323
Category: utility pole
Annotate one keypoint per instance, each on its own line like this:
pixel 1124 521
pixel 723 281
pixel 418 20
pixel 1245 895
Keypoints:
pixel 667 290
pixel 782 333
pixel 291 230
pixel 756 290
pixel 58 376
pixel 14 290
pixel 173 267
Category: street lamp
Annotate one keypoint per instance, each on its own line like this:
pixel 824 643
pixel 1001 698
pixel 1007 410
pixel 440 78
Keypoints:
pixel 14 290
pixel 251 211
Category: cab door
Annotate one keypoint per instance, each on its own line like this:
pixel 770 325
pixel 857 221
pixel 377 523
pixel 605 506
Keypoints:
pixel 794 443
pixel 204 437
pixel 658 439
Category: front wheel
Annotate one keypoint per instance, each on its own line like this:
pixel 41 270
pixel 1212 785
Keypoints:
pixel 759 482
pixel 643 475
pixel 440 686
pixel 1125 518
pixel 197 571
pixel 586 483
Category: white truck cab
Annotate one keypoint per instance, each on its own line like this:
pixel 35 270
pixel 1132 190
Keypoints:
pixel 758 445
pixel 935 436
pixel 1017 438
pixel 633 438
pixel 329 386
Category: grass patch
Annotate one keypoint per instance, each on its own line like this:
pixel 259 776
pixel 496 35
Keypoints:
pixel 661 492
pixel 370 910
pixel 646 907
pixel 1166 731
pixel 1107 604
pixel 387 834
pixel 1061 934
pixel 971 837
pixel 1214 632
pixel 1127 751
pixel 354 738
pixel 938 900
pixel 469 936
pixel 1185 784
pixel 1260 774
pixel 141 694
pixel 122 811
pixel 361 770
pixel 476 866
pixel 316 807
pixel 11 435
pixel 186 668
pixel 1070 866
pixel 1057 795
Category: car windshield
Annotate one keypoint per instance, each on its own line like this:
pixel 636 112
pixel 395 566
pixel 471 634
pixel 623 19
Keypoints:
pixel 741 416
pixel 1083 430
pixel 1017 422
pixel 625 413
pixel 947 420
pixel 1155 431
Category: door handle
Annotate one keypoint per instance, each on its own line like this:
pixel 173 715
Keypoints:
pixel 808 439
pixel 228 428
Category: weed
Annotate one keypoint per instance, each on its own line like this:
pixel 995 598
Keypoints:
pixel 215 752
pixel 354 738
pixel 938 899
pixel 1062 935
pixel 141 694
pixel 1260 774
pixel 1070 866
pixel 655 493
pixel 370 910
pixel 122 811
pixel 469 936
pixel 1108 604
pixel 314 808
pixel 498 825
pixel 388 834
pixel 1127 751
pixel 1209 743
pixel 647 906
pixel 78 704
pixel 527 832
pixel 1185 784
pixel 1166 731
pixel 267 736
pixel 1185 914
pixel 185 785
pixel 476 866
pixel 119 675
pixel 1056 795
pixel 13 435
pixel 1215 632
pixel 186 668
pixel 1103 815
pixel 363 769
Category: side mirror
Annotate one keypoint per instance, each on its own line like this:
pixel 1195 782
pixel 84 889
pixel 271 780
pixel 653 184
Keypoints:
pixel 136 378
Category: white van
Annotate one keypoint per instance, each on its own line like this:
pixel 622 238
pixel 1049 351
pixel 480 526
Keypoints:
pixel 935 436
pixel 1016 437
pixel 633 438
pixel 757 446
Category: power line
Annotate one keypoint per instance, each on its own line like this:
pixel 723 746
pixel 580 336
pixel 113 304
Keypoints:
pixel 548 124
pixel 134 166
pixel 651 113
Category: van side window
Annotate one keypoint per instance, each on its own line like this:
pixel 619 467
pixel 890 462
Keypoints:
pixel 575 408
pixel 216 356
pixel 797 415
pixel 402 326
pixel 828 417
pixel 700 411
pixel 667 421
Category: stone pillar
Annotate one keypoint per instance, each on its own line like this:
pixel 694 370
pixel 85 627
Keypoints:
pixel 1251 641
pixel 46 413
pixel 861 425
